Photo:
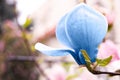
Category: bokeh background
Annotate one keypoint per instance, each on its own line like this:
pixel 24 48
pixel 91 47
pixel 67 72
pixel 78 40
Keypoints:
pixel 26 22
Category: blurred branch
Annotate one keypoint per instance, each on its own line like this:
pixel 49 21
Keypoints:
pixel 42 72
pixel 28 58
pixel 34 58
pixel 22 58
pixel 48 33
pixel 24 37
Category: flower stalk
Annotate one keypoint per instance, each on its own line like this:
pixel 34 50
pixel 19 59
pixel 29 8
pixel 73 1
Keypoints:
pixel 91 67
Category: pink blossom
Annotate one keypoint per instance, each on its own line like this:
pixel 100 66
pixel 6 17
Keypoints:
pixel 112 67
pixel 86 75
pixel 110 17
pixel 2 46
pixel 57 72
pixel 108 48
pixel 13 27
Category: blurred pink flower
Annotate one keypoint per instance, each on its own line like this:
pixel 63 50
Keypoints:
pixel 86 75
pixel 13 27
pixel 108 48
pixel 2 46
pixel 112 67
pixel 57 72
pixel 110 17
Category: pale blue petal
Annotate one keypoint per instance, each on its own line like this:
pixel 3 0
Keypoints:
pixel 52 51
pixel 86 28
pixel 61 33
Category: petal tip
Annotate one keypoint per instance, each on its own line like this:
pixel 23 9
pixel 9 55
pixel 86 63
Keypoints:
pixel 37 45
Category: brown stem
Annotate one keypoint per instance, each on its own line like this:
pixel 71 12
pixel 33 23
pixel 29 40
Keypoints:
pixel 28 58
pixel 91 68
pixel 102 72
pixel 22 58
pixel 42 72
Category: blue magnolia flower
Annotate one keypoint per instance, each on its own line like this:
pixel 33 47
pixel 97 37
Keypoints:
pixel 82 28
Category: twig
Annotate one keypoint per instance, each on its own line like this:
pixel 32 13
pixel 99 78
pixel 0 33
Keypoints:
pixel 22 58
pixel 28 58
pixel 42 72
pixel 92 70
pixel 90 67
pixel 103 72
pixel 24 38
pixel 34 58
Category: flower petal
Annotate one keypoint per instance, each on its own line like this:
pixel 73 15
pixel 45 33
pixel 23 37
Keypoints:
pixel 52 51
pixel 61 33
pixel 86 28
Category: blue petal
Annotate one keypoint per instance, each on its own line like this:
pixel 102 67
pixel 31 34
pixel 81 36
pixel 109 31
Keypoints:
pixel 61 33
pixel 56 52
pixel 52 51
pixel 86 28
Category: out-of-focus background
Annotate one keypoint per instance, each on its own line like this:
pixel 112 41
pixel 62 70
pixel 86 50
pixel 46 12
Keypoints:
pixel 26 22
